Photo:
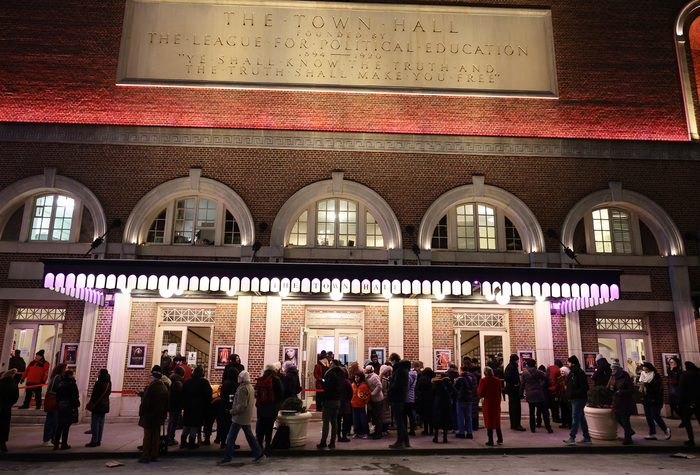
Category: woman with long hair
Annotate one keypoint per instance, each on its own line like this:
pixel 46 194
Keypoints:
pixel 51 422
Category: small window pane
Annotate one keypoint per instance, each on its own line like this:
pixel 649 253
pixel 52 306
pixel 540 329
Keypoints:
pixel 439 240
pixel 156 233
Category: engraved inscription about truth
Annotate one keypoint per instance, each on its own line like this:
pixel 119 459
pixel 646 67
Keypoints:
pixel 339 46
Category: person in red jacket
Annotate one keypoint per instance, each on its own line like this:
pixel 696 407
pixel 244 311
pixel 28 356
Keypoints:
pixel 490 389
pixel 37 373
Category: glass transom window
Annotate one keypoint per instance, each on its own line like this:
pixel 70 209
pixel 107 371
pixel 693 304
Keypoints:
pixel 472 227
pixel 336 223
pixel 611 231
pixel 52 219
pixel 194 221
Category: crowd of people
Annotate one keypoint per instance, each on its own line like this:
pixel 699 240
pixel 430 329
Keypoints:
pixel 357 402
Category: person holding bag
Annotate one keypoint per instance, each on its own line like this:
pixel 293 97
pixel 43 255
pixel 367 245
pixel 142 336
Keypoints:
pixel 99 406
pixel 51 404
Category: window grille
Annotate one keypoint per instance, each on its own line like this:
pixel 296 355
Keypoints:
pixel 479 320
pixel 334 318
pixel 54 314
pixel 187 315
pixel 620 324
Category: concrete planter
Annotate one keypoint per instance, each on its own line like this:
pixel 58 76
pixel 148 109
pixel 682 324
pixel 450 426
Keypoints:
pixel 297 424
pixel 601 424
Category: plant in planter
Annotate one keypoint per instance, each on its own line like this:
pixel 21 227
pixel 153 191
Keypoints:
pixel 293 405
pixel 293 415
pixel 598 411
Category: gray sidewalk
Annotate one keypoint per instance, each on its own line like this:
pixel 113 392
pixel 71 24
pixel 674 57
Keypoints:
pixel 121 439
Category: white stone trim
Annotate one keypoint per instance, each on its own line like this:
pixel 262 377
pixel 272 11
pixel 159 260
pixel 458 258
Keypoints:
pixel 507 203
pixel 683 21
pixel 160 197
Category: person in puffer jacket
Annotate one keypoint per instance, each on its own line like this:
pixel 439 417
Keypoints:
pixel 410 404
pixel 466 387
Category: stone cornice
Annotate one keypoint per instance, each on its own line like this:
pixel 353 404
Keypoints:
pixel 346 141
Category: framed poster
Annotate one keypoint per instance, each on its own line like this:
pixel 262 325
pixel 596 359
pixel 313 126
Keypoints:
pixel 667 360
pixel 442 360
pixel 379 352
pixel 137 356
pixel 69 353
pixel 223 353
pixel 291 353
pixel 522 356
pixel 589 361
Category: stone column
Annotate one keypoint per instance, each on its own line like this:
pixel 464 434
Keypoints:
pixel 425 332
pixel 573 335
pixel 544 346
pixel 85 350
pixel 118 346
pixel 395 327
pixel 683 309
pixel 242 344
pixel 273 325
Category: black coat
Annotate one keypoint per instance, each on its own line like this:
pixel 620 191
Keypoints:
pixel 443 393
pixel 465 387
pixel 577 384
pixel 291 383
pixel 271 409
pixel 68 399
pixel 102 389
pixel 512 379
pixel 175 393
pixel 196 399
pixel 398 384
pixel 331 386
pixel 689 388
pixel 8 394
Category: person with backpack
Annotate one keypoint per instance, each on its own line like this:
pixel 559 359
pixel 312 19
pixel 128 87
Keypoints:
pixel 269 399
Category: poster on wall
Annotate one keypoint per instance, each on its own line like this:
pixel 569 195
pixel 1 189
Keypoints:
pixel 291 354
pixel 379 353
pixel 137 356
pixel 222 355
pixel 667 361
pixel 69 353
pixel 589 361
pixel 522 356
pixel 192 358
pixel 442 360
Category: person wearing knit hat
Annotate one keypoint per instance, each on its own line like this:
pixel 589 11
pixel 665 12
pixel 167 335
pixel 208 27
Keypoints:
pixel 36 374
pixel 376 400
pixel 152 413
pixel 577 394
pixel 269 399
pixel 623 398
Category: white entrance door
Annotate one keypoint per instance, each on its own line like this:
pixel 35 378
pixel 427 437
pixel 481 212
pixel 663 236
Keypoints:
pixel 632 349
pixel 477 344
pixel 192 342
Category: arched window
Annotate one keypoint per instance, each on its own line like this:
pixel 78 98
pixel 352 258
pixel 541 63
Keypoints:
pixel 50 209
pixel 620 222
pixel 336 223
pixel 195 221
pixel 476 226
pixel 336 214
pixel 179 213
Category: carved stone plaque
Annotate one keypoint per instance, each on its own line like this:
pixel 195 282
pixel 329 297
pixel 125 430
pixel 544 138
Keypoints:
pixel 426 49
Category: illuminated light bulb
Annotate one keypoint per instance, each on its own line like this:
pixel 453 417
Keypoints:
pixel 502 298
pixel 540 298
pixel 336 295
pixel 166 293
pixel 387 294
pixel 179 291
pixel 126 291
pixel 490 297
pixel 284 293
pixel 440 296
pixel 230 293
